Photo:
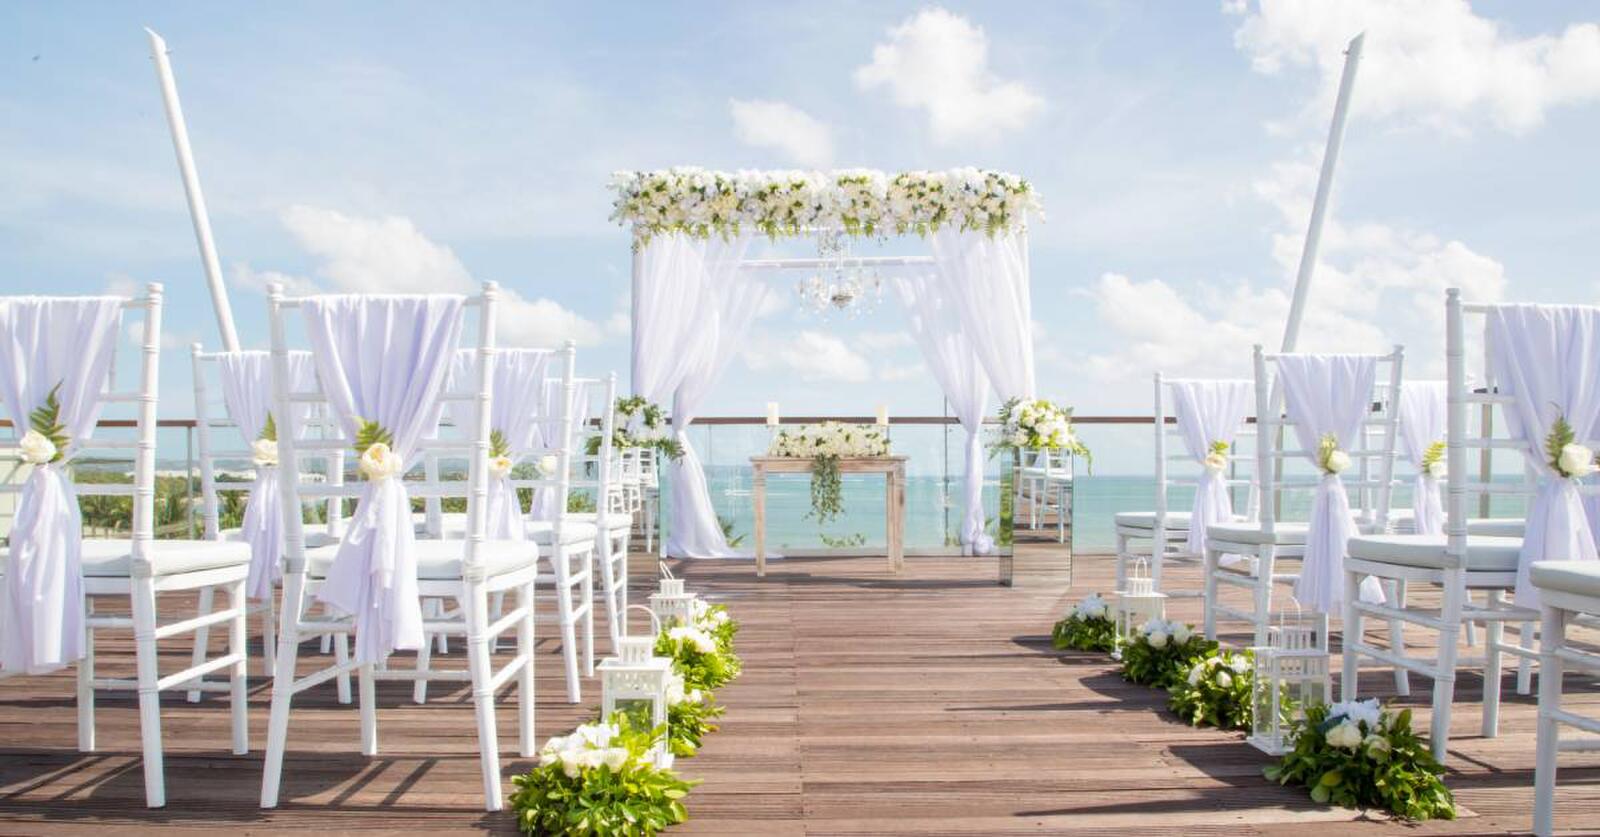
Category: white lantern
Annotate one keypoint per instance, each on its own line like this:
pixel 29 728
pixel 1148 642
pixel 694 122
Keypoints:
pixel 672 602
pixel 1138 602
pixel 1291 672
pixel 635 678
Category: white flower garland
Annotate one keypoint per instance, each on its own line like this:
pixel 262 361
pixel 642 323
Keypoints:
pixel 787 203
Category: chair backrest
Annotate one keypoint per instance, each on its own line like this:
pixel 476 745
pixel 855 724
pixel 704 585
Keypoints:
pixel 1370 479
pixel 102 448
pixel 554 438
pixel 304 438
pixel 601 470
pixel 1172 454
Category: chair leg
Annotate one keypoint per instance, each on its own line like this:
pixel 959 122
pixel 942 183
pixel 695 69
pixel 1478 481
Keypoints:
pixel 341 655
pixel 1397 636
pixel 1444 679
pixel 202 636
pixel 1552 637
pixel 1209 600
pixel 1353 632
pixel 482 695
pixel 282 694
pixel 86 685
pixel 367 686
pixel 269 632
pixel 1493 640
pixel 239 675
pixel 144 638
pixel 569 629
pixel 1263 592
pixel 419 689
pixel 1525 664
pixel 526 697
pixel 588 617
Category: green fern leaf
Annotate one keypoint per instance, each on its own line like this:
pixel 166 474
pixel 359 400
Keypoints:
pixel 269 431
pixel 46 421
pixel 498 446
pixel 371 433
pixel 1560 436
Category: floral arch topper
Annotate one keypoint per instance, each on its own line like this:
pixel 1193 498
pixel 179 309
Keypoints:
pixel 862 202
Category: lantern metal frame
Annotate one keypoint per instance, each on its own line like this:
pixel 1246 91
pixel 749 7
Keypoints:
pixel 636 674
pixel 672 601
pixel 1138 602
pixel 1293 665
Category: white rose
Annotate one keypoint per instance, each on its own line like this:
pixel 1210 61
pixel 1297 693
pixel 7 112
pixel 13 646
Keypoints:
pixel 1436 469
pixel 1196 673
pixel 1216 463
pixel 614 758
pixel 1224 679
pixel 499 466
pixel 549 464
pixel 1338 461
pixel 264 453
pixel 380 463
pixel 1182 633
pixel 1376 745
pixel 1576 461
pixel 1239 664
pixel 37 448
pixel 569 764
pixel 1346 736
pixel 1157 639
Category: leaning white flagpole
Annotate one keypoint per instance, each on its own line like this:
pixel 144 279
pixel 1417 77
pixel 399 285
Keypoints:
pixel 1319 207
pixel 191 188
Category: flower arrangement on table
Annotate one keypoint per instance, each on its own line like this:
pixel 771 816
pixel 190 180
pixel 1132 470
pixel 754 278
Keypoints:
pixel 825 444
pixel 1565 456
pixel 1362 754
pixel 639 423
pixel 1038 424
pixel 1162 653
pixel 1089 627
pixel 601 779
pixel 863 202
pixel 1216 692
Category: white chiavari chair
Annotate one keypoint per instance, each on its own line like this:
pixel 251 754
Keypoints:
pixel 600 473
pixel 1568 591
pixel 650 494
pixel 466 571
pixel 140 569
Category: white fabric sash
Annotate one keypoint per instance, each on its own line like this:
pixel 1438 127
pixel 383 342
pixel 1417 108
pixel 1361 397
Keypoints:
pixel 1422 422
pixel 1545 357
pixel 384 359
pixel 45 342
pixel 518 379
pixel 247 393
pixel 1327 394
pixel 1207 412
pixel 546 506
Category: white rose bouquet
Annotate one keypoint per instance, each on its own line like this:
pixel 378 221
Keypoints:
pixel 1089 626
pixel 1362 755
pixel 1216 692
pixel 1037 424
pixel 1162 652
pixel 825 444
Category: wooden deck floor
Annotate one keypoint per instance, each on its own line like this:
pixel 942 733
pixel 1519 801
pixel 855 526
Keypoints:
pixel 925 703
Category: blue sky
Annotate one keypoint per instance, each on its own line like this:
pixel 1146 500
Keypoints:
pixel 414 146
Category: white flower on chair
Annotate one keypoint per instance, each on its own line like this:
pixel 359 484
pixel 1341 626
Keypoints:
pixel 499 466
pixel 264 453
pixel 1576 461
pixel 378 462
pixel 37 449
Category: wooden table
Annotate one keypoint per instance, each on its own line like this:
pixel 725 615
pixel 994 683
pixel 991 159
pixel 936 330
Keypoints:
pixel 893 469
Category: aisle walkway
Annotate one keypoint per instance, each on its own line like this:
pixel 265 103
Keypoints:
pixel 928 703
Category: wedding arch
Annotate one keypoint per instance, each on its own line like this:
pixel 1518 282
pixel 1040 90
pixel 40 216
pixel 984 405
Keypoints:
pixel 695 295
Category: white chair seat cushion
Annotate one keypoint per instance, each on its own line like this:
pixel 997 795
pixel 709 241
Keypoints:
pixel 1581 578
pixel 314 539
pixel 572 532
pixel 1283 533
pixel 1147 520
pixel 614 522
pixel 111 558
pixel 1405 523
pixel 441 560
pixel 1484 553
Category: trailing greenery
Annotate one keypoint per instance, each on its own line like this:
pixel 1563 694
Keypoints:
pixel 1161 653
pixel 827 489
pixel 1216 692
pixel 726 525
pixel 600 780
pixel 843 541
pixel 1089 627
pixel 1359 754
pixel 689 721
pixel 46 421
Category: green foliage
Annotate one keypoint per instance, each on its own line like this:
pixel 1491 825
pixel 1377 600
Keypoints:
pixel 1432 456
pixel 46 421
pixel 1159 659
pixel 498 446
pixel 269 431
pixel 1388 767
pixel 371 433
pixel 1216 692
pixel 827 489
pixel 1560 436
pixel 843 541
pixel 1221 448
pixel 1080 633
pixel 637 798
pixel 654 421
pixel 702 653
pixel 579 503
pixel 726 525
pixel 1325 450
pixel 689 722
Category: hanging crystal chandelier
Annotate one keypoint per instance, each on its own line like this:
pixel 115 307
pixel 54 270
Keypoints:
pixel 836 289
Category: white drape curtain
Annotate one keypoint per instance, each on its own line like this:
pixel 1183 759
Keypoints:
pixel 1327 394
pixel 513 411
pixel 1208 412
pixel 383 359
pixel 986 279
pixel 247 393
pixel 546 506
pixel 1547 358
pixel 954 362
pixel 47 343
pixel 693 310
pixel 1422 422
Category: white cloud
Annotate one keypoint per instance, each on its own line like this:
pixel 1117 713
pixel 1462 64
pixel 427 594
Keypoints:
pixel 939 61
pixel 878 341
pixel 1434 62
pixel 390 255
pixel 813 357
pixel 780 126
pixel 902 372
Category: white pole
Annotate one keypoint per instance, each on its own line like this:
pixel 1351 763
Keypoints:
pixel 1319 207
pixel 191 188
pixel 633 316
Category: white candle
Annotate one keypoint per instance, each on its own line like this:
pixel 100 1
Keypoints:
pixel 883 414
pixel 772 414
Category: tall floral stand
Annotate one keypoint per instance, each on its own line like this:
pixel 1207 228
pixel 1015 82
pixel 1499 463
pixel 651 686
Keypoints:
pixel 1048 562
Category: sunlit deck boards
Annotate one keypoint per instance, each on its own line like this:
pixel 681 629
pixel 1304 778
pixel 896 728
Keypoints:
pixel 926 703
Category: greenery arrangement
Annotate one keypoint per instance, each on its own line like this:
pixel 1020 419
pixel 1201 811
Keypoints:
pixel 1161 653
pixel 1089 627
pixel 824 444
pixel 600 780
pixel 698 656
pixel 689 721
pixel 639 423
pixel 1216 692
pixel 1361 754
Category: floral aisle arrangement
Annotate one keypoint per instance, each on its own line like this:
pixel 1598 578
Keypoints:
pixel 1037 424
pixel 690 713
pixel 1162 653
pixel 1089 627
pixel 600 780
pixel 1361 754
pixel 698 657
pixel 639 423
pixel 1216 692
pixel 825 444
pixel 860 202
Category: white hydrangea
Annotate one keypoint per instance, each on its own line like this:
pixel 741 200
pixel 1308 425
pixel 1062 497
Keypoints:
pixel 1345 736
pixel 694 637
